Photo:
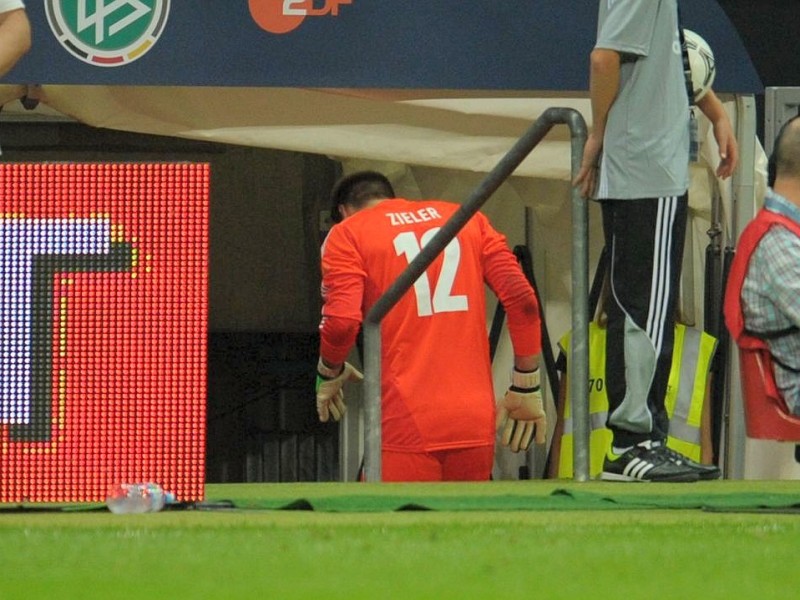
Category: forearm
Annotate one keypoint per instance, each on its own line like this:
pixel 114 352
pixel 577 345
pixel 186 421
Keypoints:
pixel 15 38
pixel 711 106
pixel 526 363
pixel 604 80
pixel 524 327
pixel 521 305
pixel 713 109
pixel 337 337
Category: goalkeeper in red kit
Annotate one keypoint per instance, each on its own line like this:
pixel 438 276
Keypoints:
pixel 438 411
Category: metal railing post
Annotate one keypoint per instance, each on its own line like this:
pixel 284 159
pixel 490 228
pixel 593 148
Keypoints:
pixel 579 346
pixel 372 334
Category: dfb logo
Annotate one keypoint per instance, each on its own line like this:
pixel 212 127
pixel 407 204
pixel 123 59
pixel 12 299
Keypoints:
pixel 107 33
pixel 283 16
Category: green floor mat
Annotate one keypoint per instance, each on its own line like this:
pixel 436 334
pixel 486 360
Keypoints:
pixel 558 499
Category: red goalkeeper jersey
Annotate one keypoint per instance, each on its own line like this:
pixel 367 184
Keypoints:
pixel 436 387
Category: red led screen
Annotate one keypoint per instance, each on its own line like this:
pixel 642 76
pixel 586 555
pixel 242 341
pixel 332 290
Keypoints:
pixel 103 295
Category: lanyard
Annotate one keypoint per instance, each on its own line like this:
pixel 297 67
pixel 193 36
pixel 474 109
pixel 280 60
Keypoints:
pixel 694 136
pixel 687 67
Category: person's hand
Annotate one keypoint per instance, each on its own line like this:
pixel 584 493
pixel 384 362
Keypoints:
pixel 728 149
pixel 330 396
pixel 586 179
pixel 520 413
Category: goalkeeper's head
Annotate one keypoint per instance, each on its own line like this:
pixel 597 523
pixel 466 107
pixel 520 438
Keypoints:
pixel 356 190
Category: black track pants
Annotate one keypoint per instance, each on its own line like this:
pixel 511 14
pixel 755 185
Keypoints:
pixel 645 249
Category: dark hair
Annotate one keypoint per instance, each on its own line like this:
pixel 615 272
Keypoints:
pixel 785 157
pixel 357 189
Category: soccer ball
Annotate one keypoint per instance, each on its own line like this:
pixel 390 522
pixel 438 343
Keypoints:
pixel 701 61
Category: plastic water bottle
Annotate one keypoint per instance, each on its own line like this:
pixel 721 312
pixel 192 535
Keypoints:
pixel 133 498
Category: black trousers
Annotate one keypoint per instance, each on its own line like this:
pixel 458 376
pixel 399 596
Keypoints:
pixel 644 238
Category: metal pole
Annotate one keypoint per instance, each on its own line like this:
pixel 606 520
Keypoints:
pixel 372 401
pixel 529 140
pixel 743 210
pixel 579 346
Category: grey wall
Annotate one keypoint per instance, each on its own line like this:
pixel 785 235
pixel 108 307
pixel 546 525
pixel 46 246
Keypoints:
pixel 265 240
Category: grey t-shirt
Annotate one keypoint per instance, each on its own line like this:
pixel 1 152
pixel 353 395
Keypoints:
pixel 646 145
pixel 7 5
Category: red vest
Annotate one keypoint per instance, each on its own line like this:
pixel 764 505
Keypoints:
pixel 752 234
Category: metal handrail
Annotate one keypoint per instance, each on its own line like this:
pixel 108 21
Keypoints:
pixel 579 365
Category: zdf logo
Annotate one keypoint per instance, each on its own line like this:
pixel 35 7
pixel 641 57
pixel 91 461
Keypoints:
pixel 283 16
pixel 107 33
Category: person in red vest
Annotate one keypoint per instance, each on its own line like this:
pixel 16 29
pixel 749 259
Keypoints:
pixel 762 299
pixel 438 407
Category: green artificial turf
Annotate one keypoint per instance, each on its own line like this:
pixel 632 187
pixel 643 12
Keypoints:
pixel 628 553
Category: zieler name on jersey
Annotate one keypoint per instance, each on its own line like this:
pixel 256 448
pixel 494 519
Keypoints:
pixel 419 216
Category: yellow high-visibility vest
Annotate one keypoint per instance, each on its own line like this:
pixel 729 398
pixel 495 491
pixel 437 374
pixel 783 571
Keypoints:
pixel 686 392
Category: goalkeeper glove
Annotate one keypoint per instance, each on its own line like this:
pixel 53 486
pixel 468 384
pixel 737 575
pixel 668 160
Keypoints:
pixel 521 412
pixel 330 396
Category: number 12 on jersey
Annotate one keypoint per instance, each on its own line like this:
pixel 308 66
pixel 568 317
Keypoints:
pixel 442 299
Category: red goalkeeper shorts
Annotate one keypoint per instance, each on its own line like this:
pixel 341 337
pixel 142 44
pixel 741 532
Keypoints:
pixel 459 464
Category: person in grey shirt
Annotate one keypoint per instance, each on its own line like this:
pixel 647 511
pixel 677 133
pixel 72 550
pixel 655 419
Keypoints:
pixel 636 163
pixel 15 34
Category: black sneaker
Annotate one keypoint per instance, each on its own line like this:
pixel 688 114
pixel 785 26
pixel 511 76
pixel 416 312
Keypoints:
pixel 647 461
pixel 704 472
